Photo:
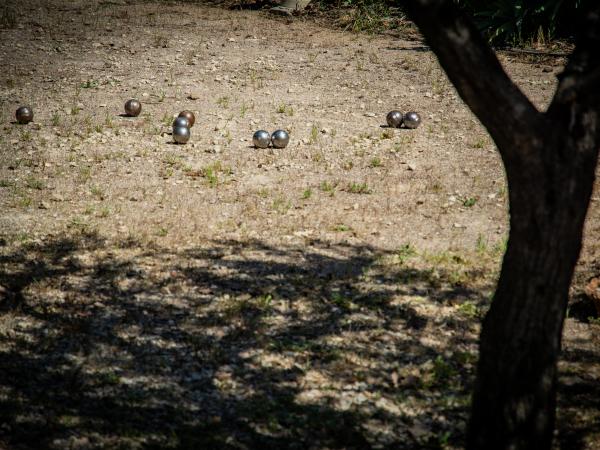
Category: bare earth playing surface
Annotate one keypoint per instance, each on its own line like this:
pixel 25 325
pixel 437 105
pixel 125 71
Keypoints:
pixel 213 295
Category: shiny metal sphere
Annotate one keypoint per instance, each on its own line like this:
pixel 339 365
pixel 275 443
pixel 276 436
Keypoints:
pixel 133 107
pixel 412 120
pixel 181 134
pixel 394 119
pixel 261 139
pixel 181 122
pixel 24 114
pixel 189 116
pixel 280 138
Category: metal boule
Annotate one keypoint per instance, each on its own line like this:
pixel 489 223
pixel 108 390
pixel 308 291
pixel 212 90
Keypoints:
pixel 280 138
pixel 394 119
pixel 261 139
pixel 133 107
pixel 24 115
pixel 412 120
pixel 181 135
pixel 181 122
pixel 189 116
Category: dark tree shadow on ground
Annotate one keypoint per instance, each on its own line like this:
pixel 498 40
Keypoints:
pixel 233 345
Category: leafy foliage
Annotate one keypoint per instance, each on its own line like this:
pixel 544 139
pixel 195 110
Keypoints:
pixel 521 21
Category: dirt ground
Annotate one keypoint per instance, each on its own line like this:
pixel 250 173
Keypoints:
pixel 213 295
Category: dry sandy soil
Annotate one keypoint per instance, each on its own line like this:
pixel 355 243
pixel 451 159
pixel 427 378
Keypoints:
pixel 212 295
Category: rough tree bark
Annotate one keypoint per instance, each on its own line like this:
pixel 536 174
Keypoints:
pixel 550 160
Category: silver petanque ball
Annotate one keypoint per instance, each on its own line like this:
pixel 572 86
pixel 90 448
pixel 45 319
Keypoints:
pixel 181 134
pixel 412 120
pixel 261 139
pixel 394 119
pixel 280 138
pixel 181 121
pixel 24 115
pixel 133 107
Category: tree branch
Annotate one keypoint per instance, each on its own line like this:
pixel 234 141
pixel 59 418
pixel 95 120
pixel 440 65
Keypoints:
pixel 478 76
pixel 580 81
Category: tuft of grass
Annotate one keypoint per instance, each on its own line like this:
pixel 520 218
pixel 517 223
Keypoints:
pixel 243 110
pixel 469 310
pixel 34 183
pixel 387 134
pixel 281 205
pixel 223 101
pixel 375 162
pixel 97 192
pixel 341 228
pixel 306 194
pixel 481 245
pixel 358 188
pixel 470 201
pixel 314 134
pixel 85 174
pixel 405 252
pixel 55 119
pixel 328 187
pixel 285 109
pixel 480 143
pixel 89 84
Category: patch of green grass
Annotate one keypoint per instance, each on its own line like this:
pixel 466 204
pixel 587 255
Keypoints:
pixel 104 212
pixel 328 187
pixel 34 183
pixel 55 119
pixel 285 109
pixel 167 119
pixel 281 205
pixel 469 309
pixel 264 301
pixel 26 135
pixel 97 192
pixel 89 84
pixel 307 193
pixel 223 101
pixel 358 188
pixel 469 201
pixel 387 134
pixel 481 245
pixel 211 172
pixel 479 143
pixel 405 252
pixel 243 110
pixel 341 301
pixel 85 174
pixel 341 228
pixel 375 162
pixel 314 134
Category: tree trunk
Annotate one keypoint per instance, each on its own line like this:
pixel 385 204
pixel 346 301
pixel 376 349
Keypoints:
pixel 514 398
pixel 550 160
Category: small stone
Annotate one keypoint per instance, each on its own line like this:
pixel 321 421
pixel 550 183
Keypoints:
pixel 193 95
pixel 411 167
pixel 44 205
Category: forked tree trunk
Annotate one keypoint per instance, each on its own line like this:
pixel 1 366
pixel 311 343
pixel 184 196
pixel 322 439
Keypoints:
pixel 550 160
